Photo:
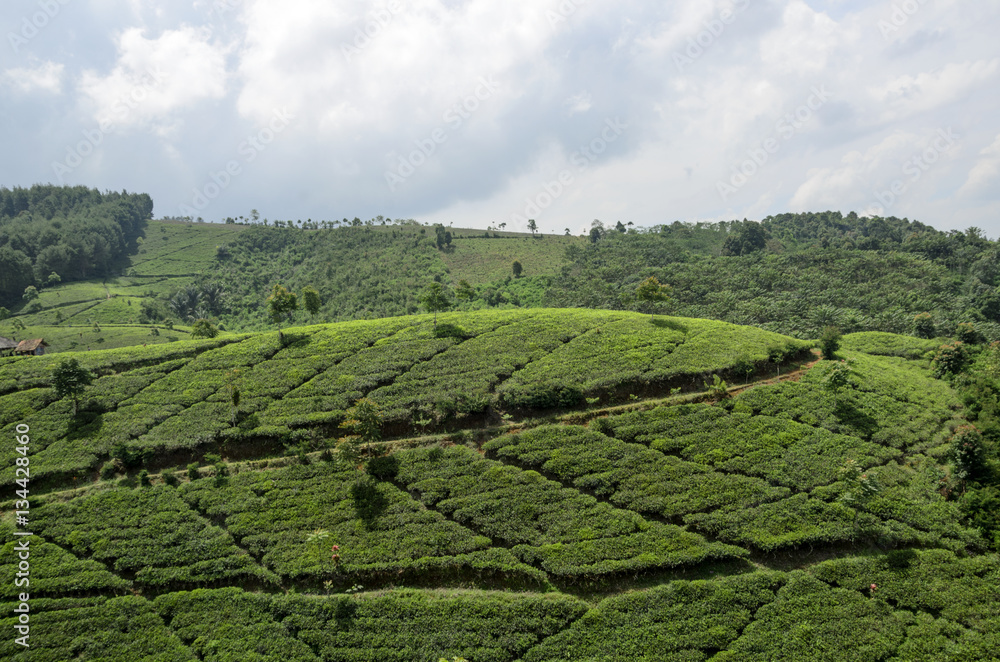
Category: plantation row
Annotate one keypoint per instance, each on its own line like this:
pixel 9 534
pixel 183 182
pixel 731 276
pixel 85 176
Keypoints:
pixel 796 436
pixel 179 398
pixel 903 606
pixel 565 532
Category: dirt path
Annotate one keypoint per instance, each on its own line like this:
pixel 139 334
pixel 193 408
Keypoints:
pixel 793 376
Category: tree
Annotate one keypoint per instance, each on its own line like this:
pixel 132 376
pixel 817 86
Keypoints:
pixel 923 325
pixel 862 486
pixel 837 378
pixel 280 304
pixel 311 300
pixel 71 379
pixel 829 342
pixel 650 292
pixel 364 421
pixel 234 392
pixel 435 299
pixel 532 226
pixel 749 237
pixel 204 329
pixel 465 291
pixel 30 293
pixel 517 269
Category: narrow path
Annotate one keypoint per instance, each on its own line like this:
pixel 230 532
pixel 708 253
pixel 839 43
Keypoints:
pixel 793 376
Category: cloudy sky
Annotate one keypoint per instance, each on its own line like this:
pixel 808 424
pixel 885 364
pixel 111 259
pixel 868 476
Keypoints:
pixel 480 112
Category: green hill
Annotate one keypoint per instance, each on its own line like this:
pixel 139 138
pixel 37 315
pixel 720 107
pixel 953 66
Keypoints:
pixel 550 485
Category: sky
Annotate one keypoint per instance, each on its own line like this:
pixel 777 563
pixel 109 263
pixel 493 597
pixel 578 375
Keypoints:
pixel 476 113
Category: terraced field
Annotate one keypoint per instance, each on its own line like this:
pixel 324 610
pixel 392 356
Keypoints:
pixel 529 504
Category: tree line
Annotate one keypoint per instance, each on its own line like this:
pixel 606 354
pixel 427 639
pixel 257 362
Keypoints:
pixel 51 234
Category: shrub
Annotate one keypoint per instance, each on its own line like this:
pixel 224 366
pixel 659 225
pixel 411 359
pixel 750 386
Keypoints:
pixel 966 333
pixel 829 342
pixel 192 471
pixel 966 453
pixel 204 329
pixel 923 325
pixel 950 359
pixel 144 478
pixel 170 478
pixel 108 470
pixel 383 468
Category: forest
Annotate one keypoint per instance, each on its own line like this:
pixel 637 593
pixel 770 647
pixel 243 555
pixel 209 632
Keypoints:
pixel 52 234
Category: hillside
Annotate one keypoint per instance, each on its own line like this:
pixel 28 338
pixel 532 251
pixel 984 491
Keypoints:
pixel 793 274
pixel 553 485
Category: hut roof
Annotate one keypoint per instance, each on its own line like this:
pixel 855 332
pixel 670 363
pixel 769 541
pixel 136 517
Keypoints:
pixel 30 345
pixel 7 343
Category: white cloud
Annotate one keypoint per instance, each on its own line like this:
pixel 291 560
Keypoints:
pixel 155 78
pixel 907 95
pixel 579 103
pixel 46 77
pixel 984 178
pixel 880 176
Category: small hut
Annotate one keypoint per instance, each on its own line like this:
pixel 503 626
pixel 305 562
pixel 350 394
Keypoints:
pixel 7 346
pixel 31 347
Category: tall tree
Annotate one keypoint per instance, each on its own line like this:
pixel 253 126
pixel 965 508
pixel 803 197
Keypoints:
pixel 280 304
pixel 311 300
pixel 364 420
pixel 435 299
pixel 71 379
pixel 532 226
pixel 650 292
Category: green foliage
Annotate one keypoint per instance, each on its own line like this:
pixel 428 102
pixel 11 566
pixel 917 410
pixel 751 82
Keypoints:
pixel 435 299
pixel 402 625
pixel 630 475
pixel 464 291
pixel 204 329
pixel 70 379
pixel 745 238
pixel 682 620
pixel 829 342
pixel 889 344
pixel 567 533
pixel 74 232
pixel 650 292
pixel 950 359
pixel 966 333
pixel 923 326
pixel 149 532
pixel 517 269
pixel 382 532
pixel 281 304
pixel 967 453
pixel 837 376
pixel 30 293
pixel 311 300
pixel 364 421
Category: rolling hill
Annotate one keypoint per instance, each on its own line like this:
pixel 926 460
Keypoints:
pixel 549 485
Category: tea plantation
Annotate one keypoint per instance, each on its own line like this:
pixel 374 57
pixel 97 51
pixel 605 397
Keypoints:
pixel 541 485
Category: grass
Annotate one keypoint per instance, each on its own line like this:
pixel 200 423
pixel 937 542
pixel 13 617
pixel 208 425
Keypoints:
pixel 482 261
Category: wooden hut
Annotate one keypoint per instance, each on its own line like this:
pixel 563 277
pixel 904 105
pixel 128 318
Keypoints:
pixel 7 346
pixel 31 347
